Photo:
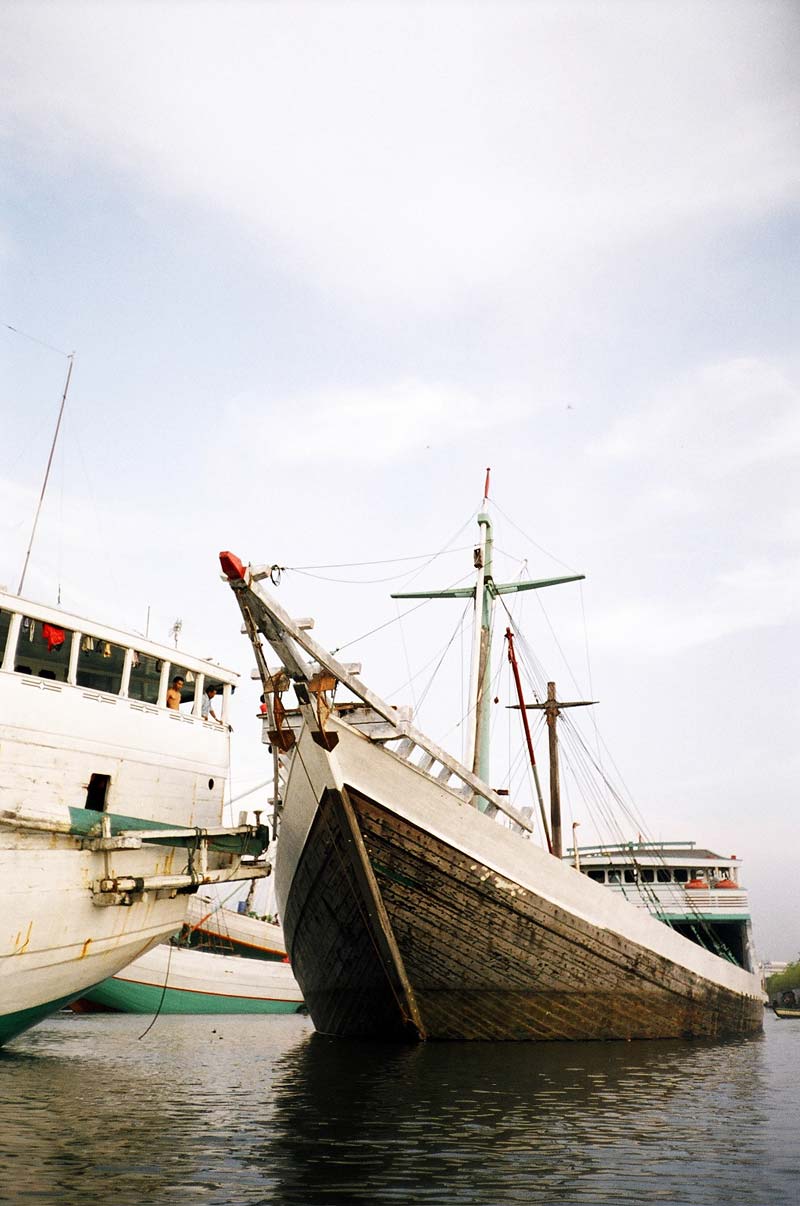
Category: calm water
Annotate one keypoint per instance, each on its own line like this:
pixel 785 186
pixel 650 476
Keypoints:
pixel 261 1110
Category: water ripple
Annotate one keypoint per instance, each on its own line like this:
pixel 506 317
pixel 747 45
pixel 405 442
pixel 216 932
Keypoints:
pixel 255 1111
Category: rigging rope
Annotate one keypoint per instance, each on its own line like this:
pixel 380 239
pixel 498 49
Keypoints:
pixel 40 342
pixel 394 619
pixel 155 1016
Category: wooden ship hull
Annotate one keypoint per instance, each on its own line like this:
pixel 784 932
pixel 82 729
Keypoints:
pixel 409 914
pixel 414 904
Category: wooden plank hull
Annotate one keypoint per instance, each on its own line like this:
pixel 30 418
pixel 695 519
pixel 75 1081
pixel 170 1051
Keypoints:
pixel 479 952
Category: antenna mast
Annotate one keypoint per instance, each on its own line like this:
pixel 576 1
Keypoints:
pixel 70 358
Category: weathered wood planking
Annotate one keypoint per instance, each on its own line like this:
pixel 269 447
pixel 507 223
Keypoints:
pixel 351 987
pixel 543 973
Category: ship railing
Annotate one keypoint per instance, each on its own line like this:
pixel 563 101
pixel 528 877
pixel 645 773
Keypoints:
pixel 674 900
pixel 437 765
pixel 291 641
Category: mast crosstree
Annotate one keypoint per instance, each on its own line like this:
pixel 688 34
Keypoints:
pixel 484 592
pixel 551 707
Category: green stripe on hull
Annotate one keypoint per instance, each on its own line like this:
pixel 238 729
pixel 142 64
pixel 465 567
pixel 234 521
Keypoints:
pixel 12 1024
pixel 127 997
pixel 87 822
pixel 704 918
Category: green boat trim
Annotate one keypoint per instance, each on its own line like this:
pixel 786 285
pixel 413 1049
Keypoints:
pixel 12 1024
pixel 87 823
pixel 124 996
pixel 698 916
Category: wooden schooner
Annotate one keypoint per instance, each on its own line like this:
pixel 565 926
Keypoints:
pixel 413 902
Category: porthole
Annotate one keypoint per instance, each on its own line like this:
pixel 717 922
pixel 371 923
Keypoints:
pixel 211 785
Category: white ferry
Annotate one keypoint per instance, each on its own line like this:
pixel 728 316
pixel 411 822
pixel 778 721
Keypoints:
pixel 696 892
pixel 111 797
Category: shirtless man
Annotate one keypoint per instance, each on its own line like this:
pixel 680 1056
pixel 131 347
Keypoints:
pixel 174 693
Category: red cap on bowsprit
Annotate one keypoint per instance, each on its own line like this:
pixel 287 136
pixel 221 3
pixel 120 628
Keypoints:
pixel 231 565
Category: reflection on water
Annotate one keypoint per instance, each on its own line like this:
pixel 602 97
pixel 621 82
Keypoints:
pixel 261 1110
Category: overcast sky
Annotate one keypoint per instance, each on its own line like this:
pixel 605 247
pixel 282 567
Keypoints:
pixel 322 264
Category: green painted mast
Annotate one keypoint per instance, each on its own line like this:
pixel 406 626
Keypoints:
pixel 484 592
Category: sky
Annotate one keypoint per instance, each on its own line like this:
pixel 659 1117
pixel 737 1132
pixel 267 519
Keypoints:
pixel 322 264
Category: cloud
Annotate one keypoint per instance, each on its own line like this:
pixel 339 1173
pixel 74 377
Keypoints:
pixel 377 147
pixel 744 411
pixel 756 594
pixel 357 425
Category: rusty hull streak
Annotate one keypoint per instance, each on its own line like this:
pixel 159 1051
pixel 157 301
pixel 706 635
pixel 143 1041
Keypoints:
pixel 21 946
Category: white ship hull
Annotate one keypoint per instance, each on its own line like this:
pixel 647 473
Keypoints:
pixel 238 933
pixel 101 799
pixel 175 979
pixel 56 941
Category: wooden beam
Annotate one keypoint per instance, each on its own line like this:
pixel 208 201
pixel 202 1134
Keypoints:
pixel 282 633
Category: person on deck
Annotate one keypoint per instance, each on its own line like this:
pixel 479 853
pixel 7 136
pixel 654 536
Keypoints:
pixel 174 693
pixel 206 710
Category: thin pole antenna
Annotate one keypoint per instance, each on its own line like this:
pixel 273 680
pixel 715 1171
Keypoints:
pixel 70 358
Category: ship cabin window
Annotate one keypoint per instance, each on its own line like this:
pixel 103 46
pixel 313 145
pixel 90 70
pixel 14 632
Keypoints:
pixel 681 875
pixel 664 875
pixel 97 792
pixel 597 874
pixel 629 875
pixel 100 665
pixel 613 876
pixel 145 678
pixel 5 623
pixel 647 875
pixel 43 650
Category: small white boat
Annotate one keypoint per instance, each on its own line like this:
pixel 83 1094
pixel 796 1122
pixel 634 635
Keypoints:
pixel 211 926
pixel 221 962
pixel 177 979
pixel 110 802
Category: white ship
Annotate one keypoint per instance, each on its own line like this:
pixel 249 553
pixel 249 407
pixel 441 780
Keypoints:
pixel 110 802
pixel 696 892
pixel 189 980
pixel 222 961
pixel 413 902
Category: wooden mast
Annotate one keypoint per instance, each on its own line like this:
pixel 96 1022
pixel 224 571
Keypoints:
pixel 484 592
pixel 552 708
pixel 480 697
